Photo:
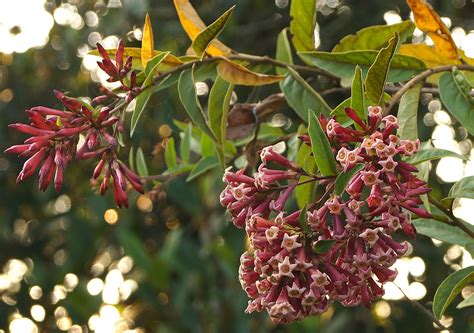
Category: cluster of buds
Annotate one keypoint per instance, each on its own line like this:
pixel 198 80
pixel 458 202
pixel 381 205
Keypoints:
pixel 340 248
pixel 55 135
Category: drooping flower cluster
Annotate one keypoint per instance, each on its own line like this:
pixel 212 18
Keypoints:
pixel 55 134
pixel 339 249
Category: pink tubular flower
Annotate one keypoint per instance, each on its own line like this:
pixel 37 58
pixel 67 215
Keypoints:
pixel 345 251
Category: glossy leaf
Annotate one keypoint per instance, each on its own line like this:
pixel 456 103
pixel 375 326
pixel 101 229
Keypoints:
pixel 239 75
pixel 450 288
pixel 427 20
pixel 303 219
pixel 188 97
pixel 469 301
pixel 323 246
pixel 342 64
pixel 441 231
pixel 147 42
pixel 378 72
pixel 142 169
pixel 321 147
pixel 303 13
pixel 455 91
pixel 304 193
pixel 204 165
pixel 408 113
pixel 193 25
pixel 357 95
pixel 142 99
pixel 206 36
pixel 432 154
pixel 170 154
pixel 218 107
pixel 301 96
pixel 344 177
pixel 375 37
pixel 463 188
pixel 185 144
pixel 283 51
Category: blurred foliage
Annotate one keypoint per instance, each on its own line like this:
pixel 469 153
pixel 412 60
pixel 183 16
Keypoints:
pixel 185 254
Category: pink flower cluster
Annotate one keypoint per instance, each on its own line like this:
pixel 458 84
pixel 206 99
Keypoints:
pixel 340 248
pixel 55 135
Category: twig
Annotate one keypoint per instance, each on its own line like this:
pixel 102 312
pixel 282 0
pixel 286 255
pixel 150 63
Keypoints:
pixel 388 89
pixel 421 77
pixel 424 310
pixel 454 220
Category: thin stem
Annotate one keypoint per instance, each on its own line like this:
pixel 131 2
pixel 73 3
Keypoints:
pixel 454 220
pixel 313 179
pixel 387 89
pixel 420 78
pixel 424 310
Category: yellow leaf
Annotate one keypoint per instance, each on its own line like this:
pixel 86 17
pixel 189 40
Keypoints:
pixel 238 74
pixel 193 25
pixel 427 20
pixel 429 55
pixel 168 63
pixel 147 42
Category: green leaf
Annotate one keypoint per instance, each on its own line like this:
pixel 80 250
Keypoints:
pixel 323 246
pixel 303 23
pixel 301 96
pixel 142 99
pixel 357 95
pixel 205 164
pixel 186 143
pixel 304 193
pixel 432 154
pixel 170 154
pixel 141 164
pixel 454 90
pixel 450 288
pixel 375 37
pixel 321 147
pixel 408 112
pixel 131 158
pixel 283 51
pixel 212 31
pixel 218 107
pixel 462 189
pixel 342 64
pixel 207 146
pixel 304 219
pixel 188 97
pixel 344 177
pixel 378 72
pixel 441 231
pixel 469 301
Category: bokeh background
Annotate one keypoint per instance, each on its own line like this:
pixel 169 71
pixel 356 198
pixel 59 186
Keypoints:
pixel 71 261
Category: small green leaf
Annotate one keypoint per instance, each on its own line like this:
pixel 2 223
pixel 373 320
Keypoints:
pixel 450 288
pixel 463 188
pixel 303 13
pixel 188 97
pixel 378 72
pixel 218 107
pixel 283 51
pixel 142 99
pixel 375 37
pixel 454 90
pixel 153 64
pixel 469 301
pixel 441 231
pixel 344 177
pixel 207 146
pixel 205 164
pixel 357 95
pixel 186 143
pixel 141 164
pixel 432 154
pixel 170 154
pixel 304 219
pixel 131 159
pixel 342 64
pixel 301 96
pixel 323 246
pixel 321 147
pixel 408 112
pixel 211 32
pixel 304 193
